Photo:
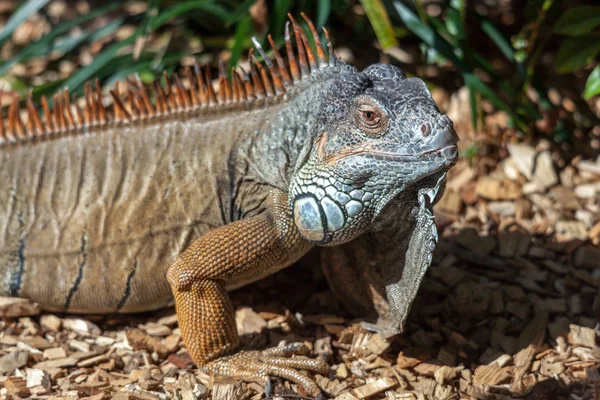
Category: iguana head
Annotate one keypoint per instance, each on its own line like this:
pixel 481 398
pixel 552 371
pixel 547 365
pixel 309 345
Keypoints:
pixel 379 133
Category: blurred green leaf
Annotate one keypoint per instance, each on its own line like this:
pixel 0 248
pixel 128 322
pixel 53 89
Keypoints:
pixel 380 20
pixel 48 88
pixel 183 7
pixel 67 43
pixel 241 12
pixel 18 85
pixel 45 43
pixel 473 105
pixel 576 52
pixel 280 8
pixel 149 17
pixel 498 38
pixel 431 38
pixel 105 57
pixel 578 21
pixel 28 8
pixel 100 66
pixel 323 11
pixel 242 33
pixel 470 153
pixel 146 67
pixel 592 86
pixel 454 24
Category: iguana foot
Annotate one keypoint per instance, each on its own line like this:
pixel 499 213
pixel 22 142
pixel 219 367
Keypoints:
pixel 281 361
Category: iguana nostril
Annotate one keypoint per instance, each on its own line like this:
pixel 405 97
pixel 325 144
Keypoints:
pixel 426 129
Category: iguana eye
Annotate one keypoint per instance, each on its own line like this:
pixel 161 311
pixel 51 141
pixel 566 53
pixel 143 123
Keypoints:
pixel 370 119
pixel 369 115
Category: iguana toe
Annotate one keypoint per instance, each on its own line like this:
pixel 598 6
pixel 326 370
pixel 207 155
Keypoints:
pixel 384 331
pixel 282 361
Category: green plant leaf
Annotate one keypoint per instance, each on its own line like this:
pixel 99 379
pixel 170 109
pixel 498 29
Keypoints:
pixel 280 8
pixel 454 24
pixel 427 34
pixel 578 21
pixel 102 59
pixel 28 8
pixel 576 52
pixel 431 38
pixel 183 7
pixel 592 86
pixel 323 11
pixel 474 107
pixel 67 43
pixel 498 38
pixel 240 13
pixel 242 32
pixel 380 20
pixel 46 43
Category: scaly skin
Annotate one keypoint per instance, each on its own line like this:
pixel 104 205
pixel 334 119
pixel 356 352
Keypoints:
pixel 226 194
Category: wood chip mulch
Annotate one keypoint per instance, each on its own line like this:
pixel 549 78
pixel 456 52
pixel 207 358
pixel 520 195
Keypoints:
pixel 509 309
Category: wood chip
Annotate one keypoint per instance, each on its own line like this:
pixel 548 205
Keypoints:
pixel 93 361
pixel 544 173
pixel 580 335
pixel 587 191
pixel 142 341
pixel 50 322
pixel 514 244
pixel 492 188
pixel 249 322
pixel 377 344
pixel 502 208
pixel 38 381
pixel 458 182
pixel 373 387
pixel 155 329
pixel 450 202
pixel 183 361
pixel 57 363
pixel 12 307
pixel 524 157
pixel 412 357
pixel 565 198
pixel 428 368
pixel 54 353
pixel 13 360
pixel 341 371
pixel 570 230
pixel 169 320
pixel 491 375
pixel 589 166
pixel 16 386
pixel 445 373
pixel 81 326
pixel 587 257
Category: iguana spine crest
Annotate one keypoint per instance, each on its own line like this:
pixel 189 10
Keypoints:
pixel 134 102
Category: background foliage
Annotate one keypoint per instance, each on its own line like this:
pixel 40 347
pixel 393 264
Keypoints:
pixel 507 56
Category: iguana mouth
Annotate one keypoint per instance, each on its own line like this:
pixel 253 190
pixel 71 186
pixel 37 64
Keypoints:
pixel 449 152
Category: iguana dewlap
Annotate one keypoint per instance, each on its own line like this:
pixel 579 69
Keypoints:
pixel 192 192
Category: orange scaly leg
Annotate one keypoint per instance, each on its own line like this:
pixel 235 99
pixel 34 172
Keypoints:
pixel 236 252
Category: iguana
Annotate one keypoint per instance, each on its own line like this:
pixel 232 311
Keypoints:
pixel 186 192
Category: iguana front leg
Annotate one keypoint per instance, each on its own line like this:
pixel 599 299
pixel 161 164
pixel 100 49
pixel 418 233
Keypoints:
pixel 237 252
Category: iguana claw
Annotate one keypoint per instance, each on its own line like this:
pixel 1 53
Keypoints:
pixel 282 361
pixel 383 330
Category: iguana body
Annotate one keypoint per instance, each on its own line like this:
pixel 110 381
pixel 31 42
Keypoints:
pixel 103 215
pixel 218 190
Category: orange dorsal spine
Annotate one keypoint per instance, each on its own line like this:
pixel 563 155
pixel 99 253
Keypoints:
pixel 135 103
